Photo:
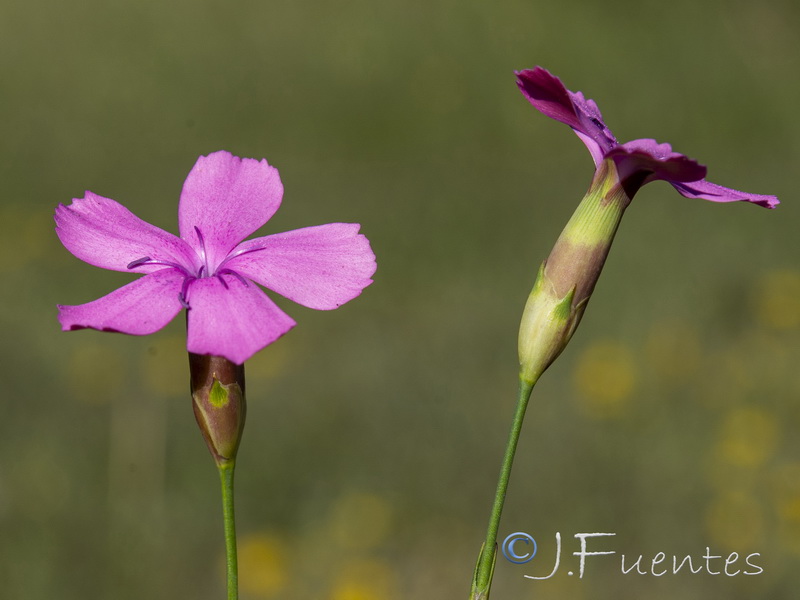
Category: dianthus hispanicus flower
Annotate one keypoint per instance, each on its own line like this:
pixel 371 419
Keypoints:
pixel 568 276
pixel 209 270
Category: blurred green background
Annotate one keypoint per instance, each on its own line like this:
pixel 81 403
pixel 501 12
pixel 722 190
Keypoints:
pixel 375 432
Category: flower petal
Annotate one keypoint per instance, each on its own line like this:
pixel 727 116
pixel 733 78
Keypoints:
pixel 716 193
pixel 549 96
pixel 226 198
pixel 105 234
pixel 232 317
pixel 138 308
pixel 320 267
pixel 646 160
pixel 683 173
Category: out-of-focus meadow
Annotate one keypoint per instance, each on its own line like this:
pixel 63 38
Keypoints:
pixel 375 432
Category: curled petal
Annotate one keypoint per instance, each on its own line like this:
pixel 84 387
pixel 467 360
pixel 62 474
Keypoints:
pixel 642 161
pixel 638 162
pixel 684 174
pixel 320 267
pixel 549 96
pixel 105 234
pixel 233 318
pixel 716 193
pixel 138 308
pixel 226 198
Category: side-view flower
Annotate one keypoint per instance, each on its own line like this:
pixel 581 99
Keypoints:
pixel 566 279
pixel 568 276
pixel 209 270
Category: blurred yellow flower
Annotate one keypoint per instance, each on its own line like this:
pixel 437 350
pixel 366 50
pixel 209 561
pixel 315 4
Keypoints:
pixel 262 566
pixel 605 378
pixel 777 299
pixel 786 488
pixel 735 522
pixel 748 437
pixel 364 580
pixel 786 495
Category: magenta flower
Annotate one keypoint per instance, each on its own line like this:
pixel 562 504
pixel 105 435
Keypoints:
pixel 209 270
pixel 567 277
pixel 638 162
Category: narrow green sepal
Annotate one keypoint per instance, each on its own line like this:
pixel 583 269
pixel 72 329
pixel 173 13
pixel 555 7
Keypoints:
pixel 539 283
pixel 481 580
pixel 562 312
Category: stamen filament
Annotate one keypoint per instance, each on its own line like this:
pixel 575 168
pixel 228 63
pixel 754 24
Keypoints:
pixel 182 295
pixel 238 276
pixel 203 255
pixel 146 260
pixel 138 262
pixel 236 253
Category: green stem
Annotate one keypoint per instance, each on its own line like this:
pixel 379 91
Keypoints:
pixel 485 567
pixel 226 476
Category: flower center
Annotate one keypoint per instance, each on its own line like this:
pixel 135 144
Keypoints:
pixel 189 275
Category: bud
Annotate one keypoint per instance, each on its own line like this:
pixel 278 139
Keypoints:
pixel 217 386
pixel 568 276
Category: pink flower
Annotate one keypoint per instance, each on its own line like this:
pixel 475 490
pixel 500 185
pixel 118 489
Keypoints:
pixel 209 270
pixel 638 162
pixel 567 277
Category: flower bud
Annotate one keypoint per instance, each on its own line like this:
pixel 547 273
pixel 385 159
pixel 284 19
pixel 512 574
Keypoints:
pixel 568 276
pixel 217 386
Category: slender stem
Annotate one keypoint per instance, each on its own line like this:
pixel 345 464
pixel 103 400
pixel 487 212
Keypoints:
pixel 231 562
pixel 485 568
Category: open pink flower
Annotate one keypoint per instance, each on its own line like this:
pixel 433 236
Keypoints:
pixel 638 162
pixel 209 270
